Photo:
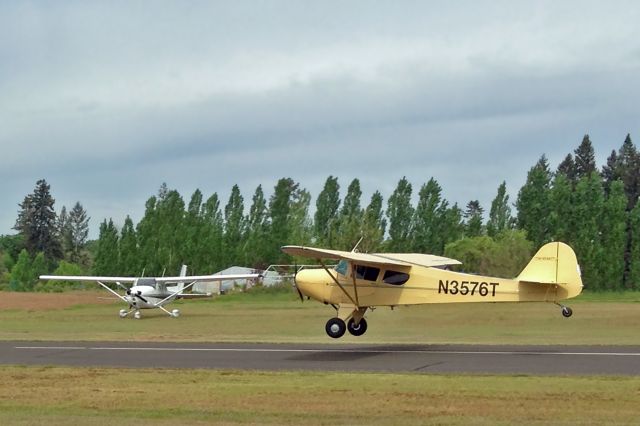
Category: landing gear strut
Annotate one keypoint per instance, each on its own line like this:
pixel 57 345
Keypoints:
pixel 566 311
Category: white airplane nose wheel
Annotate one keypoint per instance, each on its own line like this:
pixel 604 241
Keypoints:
pixel 137 315
pixel 335 328
pixel 175 313
pixel 123 313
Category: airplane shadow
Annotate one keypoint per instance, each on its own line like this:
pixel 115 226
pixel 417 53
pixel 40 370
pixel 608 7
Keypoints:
pixel 349 353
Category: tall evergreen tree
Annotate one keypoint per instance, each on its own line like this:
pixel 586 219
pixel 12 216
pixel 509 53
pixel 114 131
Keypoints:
pixel 453 228
pixel 374 225
pixel 279 215
pixel 561 221
pixel 21 274
pixel 473 218
pixel 350 218
pixel 428 220
pixel 37 223
pixel 585 162
pixel 234 227
pixel 107 260
pixel 193 245
pixel 633 279
pixel 500 213
pixel 78 231
pixel 64 232
pixel 613 242
pixel 326 217
pixel 256 245
pixel 611 171
pixel 568 168
pixel 147 235
pixel 170 216
pixel 400 216
pixel 533 203
pixel 588 209
pixel 629 171
pixel 299 221
pixel 213 234
pixel 128 249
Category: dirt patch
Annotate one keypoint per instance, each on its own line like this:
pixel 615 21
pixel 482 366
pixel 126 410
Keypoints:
pixel 47 301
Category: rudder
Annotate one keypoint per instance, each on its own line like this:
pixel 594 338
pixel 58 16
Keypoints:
pixel 555 263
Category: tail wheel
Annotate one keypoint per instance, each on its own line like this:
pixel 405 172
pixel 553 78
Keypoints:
pixel 566 311
pixel 357 330
pixel 335 328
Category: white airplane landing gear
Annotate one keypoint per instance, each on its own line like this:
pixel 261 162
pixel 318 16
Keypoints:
pixel 137 315
pixel 123 313
pixel 175 313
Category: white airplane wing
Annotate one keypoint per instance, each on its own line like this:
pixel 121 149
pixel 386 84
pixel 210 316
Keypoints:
pixel 200 278
pixel 88 278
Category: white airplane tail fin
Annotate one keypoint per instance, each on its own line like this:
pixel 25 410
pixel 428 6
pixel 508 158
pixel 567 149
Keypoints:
pixel 180 284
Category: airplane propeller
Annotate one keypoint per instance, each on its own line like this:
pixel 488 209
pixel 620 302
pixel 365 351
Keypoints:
pixel 295 283
pixel 139 296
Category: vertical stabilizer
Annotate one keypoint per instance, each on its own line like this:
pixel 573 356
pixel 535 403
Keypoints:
pixel 180 285
pixel 555 263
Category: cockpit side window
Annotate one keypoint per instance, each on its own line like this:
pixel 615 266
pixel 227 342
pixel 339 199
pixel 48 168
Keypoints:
pixel 341 267
pixel 368 273
pixel 395 277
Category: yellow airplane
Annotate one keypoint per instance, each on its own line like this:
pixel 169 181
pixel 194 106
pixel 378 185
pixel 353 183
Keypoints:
pixel 363 281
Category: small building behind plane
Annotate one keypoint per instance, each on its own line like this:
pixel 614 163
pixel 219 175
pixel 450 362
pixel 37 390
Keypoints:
pixel 218 287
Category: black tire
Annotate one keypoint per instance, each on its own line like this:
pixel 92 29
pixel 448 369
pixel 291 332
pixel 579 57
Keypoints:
pixel 566 311
pixel 357 330
pixel 335 328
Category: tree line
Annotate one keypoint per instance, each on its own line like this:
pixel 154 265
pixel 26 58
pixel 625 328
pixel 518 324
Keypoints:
pixel 595 211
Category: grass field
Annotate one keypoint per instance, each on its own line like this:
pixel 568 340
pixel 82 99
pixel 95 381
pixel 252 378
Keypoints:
pixel 89 396
pixel 98 396
pixel 610 318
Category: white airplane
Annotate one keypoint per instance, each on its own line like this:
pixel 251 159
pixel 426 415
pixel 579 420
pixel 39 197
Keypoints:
pixel 151 293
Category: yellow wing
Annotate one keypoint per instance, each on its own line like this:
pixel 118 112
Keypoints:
pixel 396 259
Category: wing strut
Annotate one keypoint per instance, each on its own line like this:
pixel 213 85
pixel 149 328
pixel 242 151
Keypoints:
pixel 355 302
pixel 115 293
pixel 355 287
pixel 162 302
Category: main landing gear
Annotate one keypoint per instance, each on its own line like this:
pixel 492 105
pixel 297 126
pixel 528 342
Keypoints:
pixel 355 322
pixel 137 315
pixel 336 327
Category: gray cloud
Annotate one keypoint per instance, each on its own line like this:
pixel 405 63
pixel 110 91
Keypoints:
pixel 108 100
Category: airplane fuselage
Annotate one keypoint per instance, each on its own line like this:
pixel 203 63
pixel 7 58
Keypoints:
pixel 146 297
pixel 418 285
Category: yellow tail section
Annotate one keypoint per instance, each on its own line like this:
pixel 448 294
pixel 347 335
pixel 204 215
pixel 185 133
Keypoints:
pixel 555 263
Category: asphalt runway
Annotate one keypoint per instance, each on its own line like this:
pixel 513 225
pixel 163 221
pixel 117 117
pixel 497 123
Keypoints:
pixel 538 360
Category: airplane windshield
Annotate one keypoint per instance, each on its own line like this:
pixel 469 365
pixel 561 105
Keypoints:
pixel 341 267
pixel 151 282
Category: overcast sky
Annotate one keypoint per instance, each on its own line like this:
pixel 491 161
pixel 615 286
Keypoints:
pixel 108 100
